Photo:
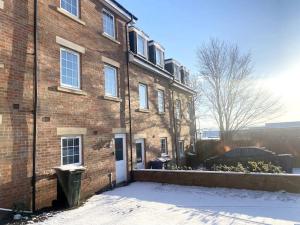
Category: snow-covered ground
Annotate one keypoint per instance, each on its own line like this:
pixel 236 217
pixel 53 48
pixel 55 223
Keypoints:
pixel 157 204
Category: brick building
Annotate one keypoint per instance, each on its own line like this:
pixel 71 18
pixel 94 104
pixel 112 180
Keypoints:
pixel 105 98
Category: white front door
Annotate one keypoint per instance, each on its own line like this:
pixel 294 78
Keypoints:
pixel 120 155
pixel 140 153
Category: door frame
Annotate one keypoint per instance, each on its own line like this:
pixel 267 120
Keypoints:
pixel 123 136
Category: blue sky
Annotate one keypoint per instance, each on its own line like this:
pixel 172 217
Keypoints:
pixel 269 29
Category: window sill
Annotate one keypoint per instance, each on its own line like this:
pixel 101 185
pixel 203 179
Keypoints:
pixel 161 113
pixel 71 91
pixel 65 13
pixel 110 38
pixel 143 110
pixel 70 167
pixel 114 99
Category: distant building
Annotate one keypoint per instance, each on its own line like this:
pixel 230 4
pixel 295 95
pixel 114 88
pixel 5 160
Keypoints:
pixel 209 134
pixel 295 124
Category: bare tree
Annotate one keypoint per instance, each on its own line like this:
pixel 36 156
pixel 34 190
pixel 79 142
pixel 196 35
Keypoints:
pixel 230 91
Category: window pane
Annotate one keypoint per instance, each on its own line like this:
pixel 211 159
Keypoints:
pixel 177 73
pixel 65 151
pixel 76 159
pixel 108 24
pixel 65 160
pixel 141 45
pixel 119 149
pixel 76 150
pixel 163 145
pixel 161 101
pixel 159 57
pixel 110 81
pixel 70 150
pixel 143 98
pixel 69 68
pixel 71 6
pixel 138 148
pixel 65 142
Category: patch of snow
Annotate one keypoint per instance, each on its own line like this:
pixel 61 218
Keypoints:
pixel 70 168
pixel 153 203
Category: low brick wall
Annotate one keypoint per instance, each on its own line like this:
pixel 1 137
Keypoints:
pixel 264 182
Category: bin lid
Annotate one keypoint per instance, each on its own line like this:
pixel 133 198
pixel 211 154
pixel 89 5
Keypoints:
pixel 71 168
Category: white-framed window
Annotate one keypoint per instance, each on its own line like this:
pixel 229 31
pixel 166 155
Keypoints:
pixel 161 101
pixel 71 6
pixel 181 148
pixel 143 96
pixel 69 68
pixel 109 24
pixel 159 55
pixel 177 73
pixel 178 109
pixel 141 45
pixel 71 150
pixel 164 145
pixel 111 81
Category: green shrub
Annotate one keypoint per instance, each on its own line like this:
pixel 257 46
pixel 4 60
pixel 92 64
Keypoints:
pixel 250 167
pixel 173 166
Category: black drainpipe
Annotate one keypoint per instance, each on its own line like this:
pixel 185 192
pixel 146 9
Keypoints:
pixel 174 123
pixel 129 100
pixel 35 99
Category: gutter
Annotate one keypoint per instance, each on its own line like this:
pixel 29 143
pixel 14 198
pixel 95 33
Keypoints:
pixel 35 103
pixel 129 99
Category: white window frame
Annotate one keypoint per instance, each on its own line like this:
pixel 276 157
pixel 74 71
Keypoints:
pixel 146 96
pixel 78 68
pixel 77 1
pixel 161 64
pixel 114 23
pixel 116 84
pixel 145 45
pixel 163 103
pixel 80 150
pixel 166 145
pixel 181 153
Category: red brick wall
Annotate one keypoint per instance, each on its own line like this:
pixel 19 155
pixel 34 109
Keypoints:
pixel 16 56
pixel 58 109
pixel 264 182
pixel 89 111
pixel 153 124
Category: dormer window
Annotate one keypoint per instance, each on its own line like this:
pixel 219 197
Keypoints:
pixel 71 6
pixel 159 57
pixel 141 46
pixel 109 24
pixel 177 73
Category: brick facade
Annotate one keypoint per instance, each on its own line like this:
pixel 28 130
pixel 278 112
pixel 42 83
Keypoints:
pixel 61 112
pixel 16 102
